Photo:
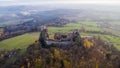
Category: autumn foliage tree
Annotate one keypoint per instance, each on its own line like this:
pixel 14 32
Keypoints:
pixel 87 43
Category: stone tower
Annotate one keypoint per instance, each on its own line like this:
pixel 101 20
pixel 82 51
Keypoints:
pixel 1 31
pixel 43 36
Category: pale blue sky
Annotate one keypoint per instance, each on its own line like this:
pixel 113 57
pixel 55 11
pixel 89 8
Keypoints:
pixel 42 2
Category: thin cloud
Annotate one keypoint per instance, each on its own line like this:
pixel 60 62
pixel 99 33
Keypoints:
pixel 41 2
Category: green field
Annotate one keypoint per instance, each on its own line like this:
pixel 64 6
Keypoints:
pixel 21 41
pixel 113 39
pixel 90 26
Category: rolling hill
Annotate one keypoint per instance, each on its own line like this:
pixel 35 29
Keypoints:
pixel 20 42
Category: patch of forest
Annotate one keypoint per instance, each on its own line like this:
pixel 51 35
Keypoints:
pixel 92 54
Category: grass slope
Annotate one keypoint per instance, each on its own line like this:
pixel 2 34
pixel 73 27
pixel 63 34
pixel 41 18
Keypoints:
pixel 21 41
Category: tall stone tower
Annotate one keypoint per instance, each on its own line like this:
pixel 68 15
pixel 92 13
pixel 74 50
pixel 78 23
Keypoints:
pixel 43 36
pixel 1 31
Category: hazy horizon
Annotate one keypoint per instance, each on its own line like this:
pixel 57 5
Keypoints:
pixel 55 2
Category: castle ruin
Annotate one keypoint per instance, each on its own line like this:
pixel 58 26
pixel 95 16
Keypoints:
pixel 59 38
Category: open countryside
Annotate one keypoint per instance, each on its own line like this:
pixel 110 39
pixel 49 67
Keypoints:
pixel 59 35
pixel 30 38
